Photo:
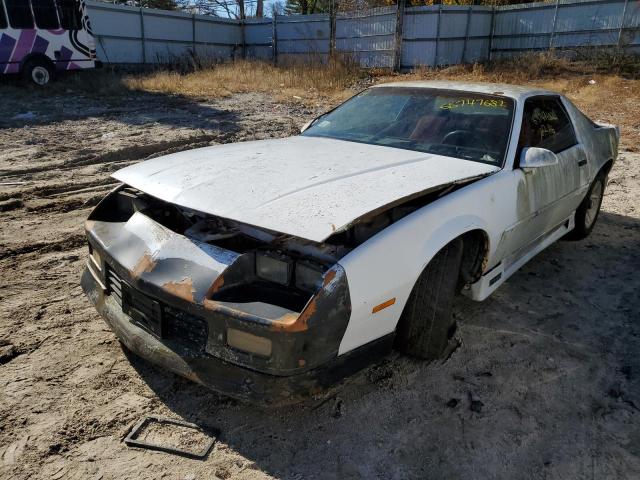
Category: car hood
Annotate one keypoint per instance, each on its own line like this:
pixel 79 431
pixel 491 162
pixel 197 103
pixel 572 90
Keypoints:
pixel 308 187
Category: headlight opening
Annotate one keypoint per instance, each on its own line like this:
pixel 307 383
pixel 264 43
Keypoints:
pixel 274 268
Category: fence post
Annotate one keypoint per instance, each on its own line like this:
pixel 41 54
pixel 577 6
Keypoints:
pixel 466 34
pixel 332 29
pixel 492 30
pixel 397 48
pixel 624 15
pixel 193 34
pixel 435 59
pixel 274 38
pixel 144 48
pixel 243 38
pixel 555 21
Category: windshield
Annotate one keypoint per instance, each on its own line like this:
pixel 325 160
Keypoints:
pixel 451 123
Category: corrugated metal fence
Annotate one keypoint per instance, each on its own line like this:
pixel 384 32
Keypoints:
pixel 144 35
pixel 368 36
pixel 395 37
pixel 540 26
pixel 439 35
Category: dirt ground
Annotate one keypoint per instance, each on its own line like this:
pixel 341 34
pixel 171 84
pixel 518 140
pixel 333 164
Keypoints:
pixel 546 383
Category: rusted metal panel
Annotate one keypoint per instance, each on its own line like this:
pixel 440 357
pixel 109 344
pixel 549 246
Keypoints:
pixel 223 376
pixel 166 276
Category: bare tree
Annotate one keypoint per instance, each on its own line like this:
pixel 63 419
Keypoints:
pixel 161 4
pixel 238 9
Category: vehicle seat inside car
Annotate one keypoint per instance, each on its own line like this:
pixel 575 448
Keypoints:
pixel 431 128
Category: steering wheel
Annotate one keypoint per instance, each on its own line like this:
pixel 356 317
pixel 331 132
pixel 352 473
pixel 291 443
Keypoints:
pixel 465 138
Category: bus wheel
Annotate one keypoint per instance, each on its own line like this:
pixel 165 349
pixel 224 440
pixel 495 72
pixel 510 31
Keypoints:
pixel 37 72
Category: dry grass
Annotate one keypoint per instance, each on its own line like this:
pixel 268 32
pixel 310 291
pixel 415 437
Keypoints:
pixel 298 81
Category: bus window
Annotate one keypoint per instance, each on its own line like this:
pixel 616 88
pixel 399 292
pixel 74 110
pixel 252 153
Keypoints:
pixel 45 14
pixel 19 13
pixel 3 18
pixel 69 11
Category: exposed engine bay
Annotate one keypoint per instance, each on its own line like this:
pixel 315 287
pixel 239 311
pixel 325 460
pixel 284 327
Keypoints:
pixel 275 268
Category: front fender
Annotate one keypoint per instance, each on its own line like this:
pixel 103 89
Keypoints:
pixel 387 266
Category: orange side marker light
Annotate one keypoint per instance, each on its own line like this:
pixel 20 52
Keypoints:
pixel 384 305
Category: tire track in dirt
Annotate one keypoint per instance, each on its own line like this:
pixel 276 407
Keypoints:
pixel 57 206
pixel 139 152
pixel 71 242
pixel 59 189
pixel 133 152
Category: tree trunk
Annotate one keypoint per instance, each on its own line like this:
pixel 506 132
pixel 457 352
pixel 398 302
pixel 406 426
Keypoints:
pixel 242 15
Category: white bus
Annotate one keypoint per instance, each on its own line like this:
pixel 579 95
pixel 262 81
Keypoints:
pixel 41 37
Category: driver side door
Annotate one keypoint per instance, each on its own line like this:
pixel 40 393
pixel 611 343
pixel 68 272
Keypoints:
pixel 546 196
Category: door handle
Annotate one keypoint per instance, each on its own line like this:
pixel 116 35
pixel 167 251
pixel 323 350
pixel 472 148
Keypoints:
pixel 582 162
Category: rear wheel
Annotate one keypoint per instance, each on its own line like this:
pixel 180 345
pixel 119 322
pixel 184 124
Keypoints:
pixel 588 211
pixel 37 72
pixel 426 324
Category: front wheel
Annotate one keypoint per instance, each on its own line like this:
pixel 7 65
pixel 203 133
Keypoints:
pixel 588 211
pixel 426 324
pixel 37 72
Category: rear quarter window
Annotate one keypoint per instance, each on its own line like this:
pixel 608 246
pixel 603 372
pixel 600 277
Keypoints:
pixel 546 124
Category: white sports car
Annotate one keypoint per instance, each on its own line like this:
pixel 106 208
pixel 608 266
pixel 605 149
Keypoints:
pixel 267 270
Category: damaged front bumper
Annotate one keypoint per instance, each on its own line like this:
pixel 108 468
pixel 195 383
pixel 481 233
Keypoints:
pixel 219 375
pixel 163 295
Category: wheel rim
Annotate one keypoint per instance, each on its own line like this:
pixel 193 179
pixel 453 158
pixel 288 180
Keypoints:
pixel 595 197
pixel 40 75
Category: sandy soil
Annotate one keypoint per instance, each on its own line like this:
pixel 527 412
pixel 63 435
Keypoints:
pixel 546 384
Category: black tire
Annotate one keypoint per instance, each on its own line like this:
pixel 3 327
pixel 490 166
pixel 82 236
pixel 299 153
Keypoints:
pixel 37 72
pixel 588 211
pixel 426 324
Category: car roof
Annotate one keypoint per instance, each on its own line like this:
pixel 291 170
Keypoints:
pixel 512 91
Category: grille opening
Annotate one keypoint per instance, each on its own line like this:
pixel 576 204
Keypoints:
pixel 186 329
pixel 263 292
pixel 114 285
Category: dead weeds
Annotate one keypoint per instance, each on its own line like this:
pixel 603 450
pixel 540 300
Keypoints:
pixel 295 81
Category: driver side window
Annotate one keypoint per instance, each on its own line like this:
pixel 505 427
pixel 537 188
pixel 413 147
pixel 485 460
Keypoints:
pixel 545 124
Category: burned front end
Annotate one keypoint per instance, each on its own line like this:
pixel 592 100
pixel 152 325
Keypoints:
pixel 250 313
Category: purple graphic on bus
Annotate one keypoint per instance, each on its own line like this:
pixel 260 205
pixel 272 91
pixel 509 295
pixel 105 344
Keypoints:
pixel 70 46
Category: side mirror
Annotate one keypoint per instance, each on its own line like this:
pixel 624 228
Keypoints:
pixel 534 157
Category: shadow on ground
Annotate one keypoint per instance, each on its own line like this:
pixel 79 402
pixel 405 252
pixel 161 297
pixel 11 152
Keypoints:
pixel 105 95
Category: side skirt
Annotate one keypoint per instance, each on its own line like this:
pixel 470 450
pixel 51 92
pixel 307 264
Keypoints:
pixel 491 280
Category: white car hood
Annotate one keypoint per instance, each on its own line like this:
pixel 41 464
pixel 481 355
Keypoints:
pixel 308 187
